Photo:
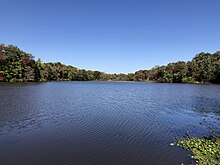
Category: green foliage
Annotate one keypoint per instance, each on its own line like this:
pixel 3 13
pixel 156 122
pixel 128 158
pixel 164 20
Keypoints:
pixel 19 66
pixel 204 68
pixel 205 150
pixel 16 65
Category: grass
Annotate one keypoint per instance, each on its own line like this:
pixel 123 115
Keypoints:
pixel 205 150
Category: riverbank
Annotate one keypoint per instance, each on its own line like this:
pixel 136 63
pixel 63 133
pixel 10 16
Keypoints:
pixel 19 66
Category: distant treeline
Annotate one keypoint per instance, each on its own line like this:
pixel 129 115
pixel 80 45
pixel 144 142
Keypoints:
pixel 19 66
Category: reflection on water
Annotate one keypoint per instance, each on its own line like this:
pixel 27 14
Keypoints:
pixel 103 122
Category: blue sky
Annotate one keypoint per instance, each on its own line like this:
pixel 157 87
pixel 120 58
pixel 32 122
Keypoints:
pixel 115 36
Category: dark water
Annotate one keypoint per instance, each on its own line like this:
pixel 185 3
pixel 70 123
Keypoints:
pixel 101 123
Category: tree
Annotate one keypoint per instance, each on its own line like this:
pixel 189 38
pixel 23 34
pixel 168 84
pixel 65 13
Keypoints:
pixel 17 65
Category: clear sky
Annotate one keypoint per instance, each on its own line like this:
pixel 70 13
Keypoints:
pixel 112 35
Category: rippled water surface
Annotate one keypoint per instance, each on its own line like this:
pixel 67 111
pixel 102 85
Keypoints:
pixel 108 123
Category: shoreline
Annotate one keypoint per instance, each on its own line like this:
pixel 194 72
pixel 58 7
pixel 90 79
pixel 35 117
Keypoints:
pixel 199 83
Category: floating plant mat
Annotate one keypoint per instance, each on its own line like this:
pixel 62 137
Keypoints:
pixel 206 150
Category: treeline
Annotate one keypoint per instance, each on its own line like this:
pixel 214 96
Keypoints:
pixel 203 68
pixel 19 66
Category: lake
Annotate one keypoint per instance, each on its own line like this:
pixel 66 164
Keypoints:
pixel 103 123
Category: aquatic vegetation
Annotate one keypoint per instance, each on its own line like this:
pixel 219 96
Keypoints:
pixel 206 150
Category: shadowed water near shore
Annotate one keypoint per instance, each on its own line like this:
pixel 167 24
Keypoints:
pixel 103 122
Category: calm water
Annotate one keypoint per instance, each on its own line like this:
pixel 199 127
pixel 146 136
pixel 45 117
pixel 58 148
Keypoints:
pixel 103 123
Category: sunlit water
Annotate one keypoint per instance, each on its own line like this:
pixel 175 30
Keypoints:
pixel 106 123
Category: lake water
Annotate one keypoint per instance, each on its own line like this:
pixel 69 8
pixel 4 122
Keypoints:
pixel 103 123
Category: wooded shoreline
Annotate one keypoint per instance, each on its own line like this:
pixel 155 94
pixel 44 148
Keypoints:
pixel 19 66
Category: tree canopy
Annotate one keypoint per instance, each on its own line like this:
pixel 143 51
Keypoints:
pixel 19 66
